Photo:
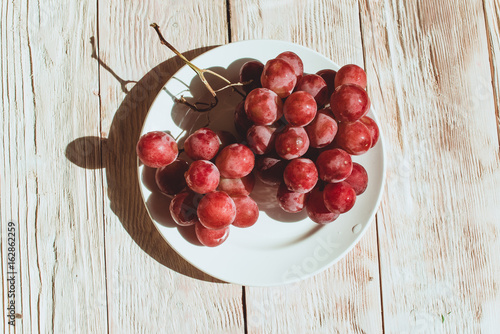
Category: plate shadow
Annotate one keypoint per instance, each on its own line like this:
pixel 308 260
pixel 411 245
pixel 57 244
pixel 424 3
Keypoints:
pixel 117 155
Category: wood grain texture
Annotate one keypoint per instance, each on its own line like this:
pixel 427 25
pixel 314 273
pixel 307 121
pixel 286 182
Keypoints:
pixel 77 81
pixel 49 98
pixel 439 223
pixel 151 289
pixel 492 19
pixel 345 298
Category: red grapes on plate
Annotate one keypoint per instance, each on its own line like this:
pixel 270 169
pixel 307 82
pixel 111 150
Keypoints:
pixel 300 175
pixel 242 186
pixel 300 108
pixel 334 165
pixel 235 161
pixel 349 102
pixel 247 211
pixel 209 237
pixel 279 76
pixel 290 201
pixel 292 142
pixel 322 129
pixel 351 74
pixel 170 178
pixel 339 197
pixel 316 86
pixel 183 208
pixel 316 209
pixel 355 138
pixel 295 62
pixel 216 210
pixel 202 144
pixel 260 138
pixel 202 176
pixel 263 106
pixel 298 135
pixel 157 149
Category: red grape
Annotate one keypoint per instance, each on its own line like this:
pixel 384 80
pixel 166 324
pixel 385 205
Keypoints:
pixel 292 142
pixel 316 86
pixel 203 144
pixel 202 177
pixel 235 161
pixel 183 208
pixel 294 60
pixel 334 165
pixel 209 237
pixel 279 76
pixel 349 103
pixel 260 138
pixel 234 187
pixel 372 126
pixel 339 197
pixel 354 138
pixel 316 209
pixel 290 201
pixel 300 175
pixel 170 179
pixel 241 121
pixel 216 210
pixel 263 106
pixel 247 211
pixel 251 70
pixel 157 149
pixel 351 74
pixel 329 77
pixel 358 178
pixel 226 138
pixel 270 170
pixel 300 108
pixel 322 129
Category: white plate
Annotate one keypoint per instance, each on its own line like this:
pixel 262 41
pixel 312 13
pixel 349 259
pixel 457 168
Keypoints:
pixel 280 248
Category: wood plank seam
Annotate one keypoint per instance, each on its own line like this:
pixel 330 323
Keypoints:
pixel 380 276
pixel 244 303
pixel 228 19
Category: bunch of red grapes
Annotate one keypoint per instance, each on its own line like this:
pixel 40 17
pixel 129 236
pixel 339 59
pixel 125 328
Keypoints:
pixel 300 130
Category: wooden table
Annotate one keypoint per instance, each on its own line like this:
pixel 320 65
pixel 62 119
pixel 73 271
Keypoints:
pixel 77 81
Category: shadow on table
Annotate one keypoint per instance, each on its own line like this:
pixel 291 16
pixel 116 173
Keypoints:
pixel 117 155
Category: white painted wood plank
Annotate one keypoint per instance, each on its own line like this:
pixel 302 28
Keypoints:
pixel 48 100
pixel 151 289
pixel 345 298
pixel 439 222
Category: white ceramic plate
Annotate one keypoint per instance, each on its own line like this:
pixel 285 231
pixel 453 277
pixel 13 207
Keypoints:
pixel 280 248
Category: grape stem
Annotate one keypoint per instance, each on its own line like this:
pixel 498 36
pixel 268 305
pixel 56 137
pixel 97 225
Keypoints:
pixel 195 106
pixel 201 74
